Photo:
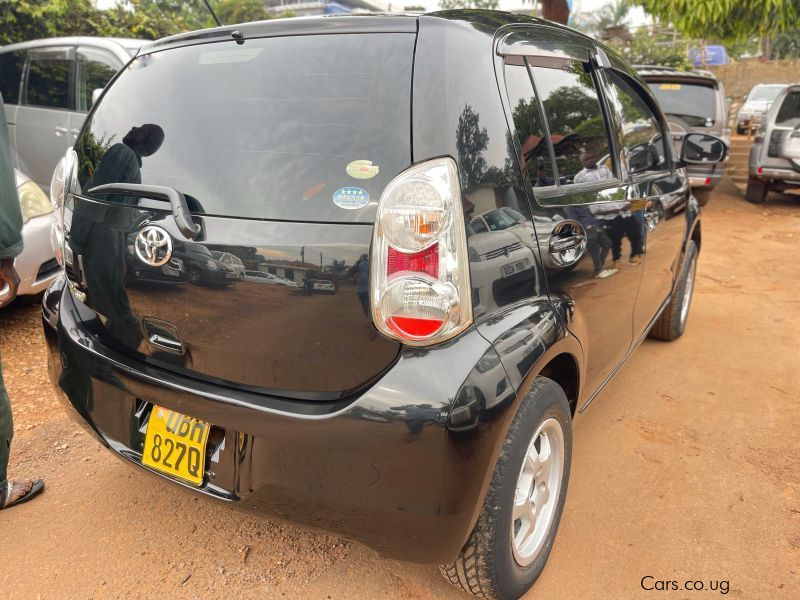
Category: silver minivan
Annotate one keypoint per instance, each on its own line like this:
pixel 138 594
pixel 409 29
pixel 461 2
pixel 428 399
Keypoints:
pixel 774 164
pixel 48 87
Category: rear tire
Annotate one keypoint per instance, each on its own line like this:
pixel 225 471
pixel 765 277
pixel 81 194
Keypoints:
pixel 500 559
pixel 194 276
pixel 672 322
pixel 703 196
pixel 756 191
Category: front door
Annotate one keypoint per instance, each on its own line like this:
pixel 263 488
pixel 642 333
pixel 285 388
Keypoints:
pixel 43 118
pixel 579 197
pixel 655 187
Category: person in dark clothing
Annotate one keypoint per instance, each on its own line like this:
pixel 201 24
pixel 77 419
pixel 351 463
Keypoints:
pixel 597 242
pixel 362 282
pixel 22 490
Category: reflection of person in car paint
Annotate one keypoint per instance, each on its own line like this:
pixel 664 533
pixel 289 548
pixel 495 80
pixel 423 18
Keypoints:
pixel 617 216
pixel 362 282
pixel 98 235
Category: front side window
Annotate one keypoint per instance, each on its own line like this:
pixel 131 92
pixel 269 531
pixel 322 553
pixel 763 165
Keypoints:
pixel 642 139
pixel 48 79
pixel 576 123
pixel 789 112
pixel 95 70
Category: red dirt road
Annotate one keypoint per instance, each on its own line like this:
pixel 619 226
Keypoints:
pixel 686 467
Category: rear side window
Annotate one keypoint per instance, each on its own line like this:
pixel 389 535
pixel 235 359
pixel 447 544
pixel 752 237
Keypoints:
pixel 307 128
pixel 528 124
pixel 694 103
pixel 94 70
pixel 789 112
pixel 48 79
pixel 576 124
pixel 11 64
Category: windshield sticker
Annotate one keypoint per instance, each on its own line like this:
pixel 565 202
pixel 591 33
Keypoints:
pixel 351 198
pixel 362 169
pixel 670 86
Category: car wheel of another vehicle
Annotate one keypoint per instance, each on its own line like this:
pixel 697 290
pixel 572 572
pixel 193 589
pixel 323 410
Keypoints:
pixel 703 196
pixel 756 192
pixel 509 546
pixel 740 130
pixel 194 276
pixel 672 322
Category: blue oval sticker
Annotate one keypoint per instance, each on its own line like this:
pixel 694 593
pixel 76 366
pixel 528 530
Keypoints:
pixel 351 198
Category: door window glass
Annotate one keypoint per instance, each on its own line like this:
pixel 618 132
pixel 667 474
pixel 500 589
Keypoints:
pixel 528 123
pixel 11 64
pixel 95 70
pixel 641 135
pixel 48 80
pixel 575 120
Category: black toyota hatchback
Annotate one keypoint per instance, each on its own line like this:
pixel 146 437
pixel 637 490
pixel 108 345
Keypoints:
pixel 490 207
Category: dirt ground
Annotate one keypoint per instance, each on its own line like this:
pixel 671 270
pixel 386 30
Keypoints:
pixel 686 467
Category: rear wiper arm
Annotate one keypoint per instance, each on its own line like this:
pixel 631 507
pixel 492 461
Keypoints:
pixel 180 208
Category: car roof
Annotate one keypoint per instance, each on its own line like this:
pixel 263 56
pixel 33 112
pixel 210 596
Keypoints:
pixel 487 22
pixel 111 43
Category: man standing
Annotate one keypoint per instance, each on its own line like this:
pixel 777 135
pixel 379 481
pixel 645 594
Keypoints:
pixel 11 492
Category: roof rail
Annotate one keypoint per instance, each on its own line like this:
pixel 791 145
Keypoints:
pixel 654 67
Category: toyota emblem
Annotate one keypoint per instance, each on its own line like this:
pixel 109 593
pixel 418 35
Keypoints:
pixel 153 246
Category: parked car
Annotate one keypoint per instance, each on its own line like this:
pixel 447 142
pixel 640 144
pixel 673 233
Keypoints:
pixel 36 265
pixel 344 418
pixel 233 261
pixel 48 86
pixel 774 164
pixel 756 104
pixel 202 268
pixel 694 101
pixel 268 278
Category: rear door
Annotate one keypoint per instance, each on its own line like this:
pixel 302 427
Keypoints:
pixel 577 190
pixel 282 147
pixel 43 119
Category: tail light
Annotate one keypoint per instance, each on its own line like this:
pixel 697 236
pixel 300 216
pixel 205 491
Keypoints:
pixel 60 184
pixel 419 280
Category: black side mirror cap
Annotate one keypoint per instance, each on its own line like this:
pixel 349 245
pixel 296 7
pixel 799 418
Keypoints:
pixel 702 149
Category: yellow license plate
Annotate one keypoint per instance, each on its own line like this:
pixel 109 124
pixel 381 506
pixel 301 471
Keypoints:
pixel 175 444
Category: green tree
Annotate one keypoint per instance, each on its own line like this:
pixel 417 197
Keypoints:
pixel 646 49
pixel 456 4
pixel 613 14
pixel 471 141
pixel 726 19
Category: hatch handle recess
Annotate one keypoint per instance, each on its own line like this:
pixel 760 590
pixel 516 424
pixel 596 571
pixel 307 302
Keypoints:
pixel 180 208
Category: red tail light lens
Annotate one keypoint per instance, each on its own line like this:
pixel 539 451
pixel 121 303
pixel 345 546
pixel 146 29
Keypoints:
pixel 419 283
pixel 424 261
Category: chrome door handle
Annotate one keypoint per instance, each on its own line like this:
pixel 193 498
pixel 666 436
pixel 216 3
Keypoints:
pixel 567 243
pixel 60 130
pixel 652 216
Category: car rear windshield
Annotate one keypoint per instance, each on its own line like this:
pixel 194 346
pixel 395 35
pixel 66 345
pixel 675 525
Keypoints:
pixel 694 103
pixel 789 112
pixel 764 92
pixel 306 128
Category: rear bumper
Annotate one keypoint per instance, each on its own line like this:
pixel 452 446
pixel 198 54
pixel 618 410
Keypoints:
pixel 768 173
pixel 387 468
pixel 705 177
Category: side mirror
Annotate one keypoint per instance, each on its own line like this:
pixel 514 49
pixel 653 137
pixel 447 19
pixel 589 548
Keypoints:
pixel 96 93
pixel 702 149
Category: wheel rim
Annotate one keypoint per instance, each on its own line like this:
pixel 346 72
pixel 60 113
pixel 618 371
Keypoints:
pixel 687 292
pixel 537 492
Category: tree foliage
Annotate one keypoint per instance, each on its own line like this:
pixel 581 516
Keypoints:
pixel 646 49
pixel 726 19
pixel 456 4
pixel 149 19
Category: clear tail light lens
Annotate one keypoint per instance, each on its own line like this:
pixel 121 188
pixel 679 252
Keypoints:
pixel 63 177
pixel 419 280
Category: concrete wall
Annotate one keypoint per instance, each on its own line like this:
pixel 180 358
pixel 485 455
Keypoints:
pixel 738 78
